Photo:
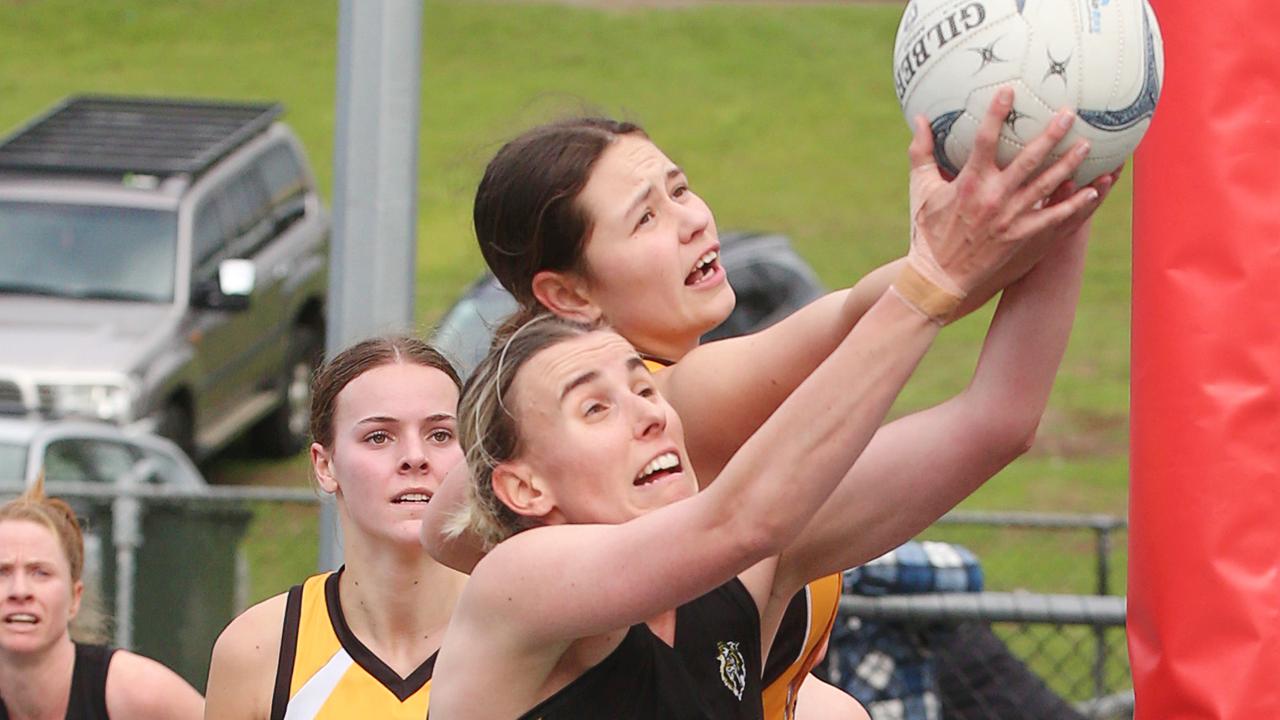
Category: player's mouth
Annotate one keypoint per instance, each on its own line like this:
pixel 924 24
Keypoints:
pixel 659 468
pixel 705 269
pixel 20 619
pixel 412 496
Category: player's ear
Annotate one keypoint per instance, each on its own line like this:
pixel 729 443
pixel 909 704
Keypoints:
pixel 322 468
pixel 518 487
pixel 566 294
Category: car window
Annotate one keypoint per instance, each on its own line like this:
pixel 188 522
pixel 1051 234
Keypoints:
pixel 209 236
pixel 106 461
pixel 13 462
pixel 247 212
pixel 87 251
pixel 285 183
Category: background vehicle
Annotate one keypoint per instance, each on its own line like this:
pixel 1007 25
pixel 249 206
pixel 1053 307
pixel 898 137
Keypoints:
pixel 163 266
pixel 89 452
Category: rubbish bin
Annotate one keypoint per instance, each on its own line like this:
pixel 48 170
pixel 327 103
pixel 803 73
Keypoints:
pixel 184 581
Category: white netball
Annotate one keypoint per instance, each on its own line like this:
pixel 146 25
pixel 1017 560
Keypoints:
pixel 1102 58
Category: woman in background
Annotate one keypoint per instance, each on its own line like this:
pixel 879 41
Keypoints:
pixel 44 673
pixel 361 641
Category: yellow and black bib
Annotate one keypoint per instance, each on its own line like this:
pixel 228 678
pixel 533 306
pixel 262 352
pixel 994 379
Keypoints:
pixel 326 673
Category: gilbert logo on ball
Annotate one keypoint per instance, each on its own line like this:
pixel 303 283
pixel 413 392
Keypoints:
pixel 1103 58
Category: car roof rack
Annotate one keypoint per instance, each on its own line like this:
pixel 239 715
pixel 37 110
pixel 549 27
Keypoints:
pixel 150 136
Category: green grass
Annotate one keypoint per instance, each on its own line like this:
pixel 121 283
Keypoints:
pixel 783 116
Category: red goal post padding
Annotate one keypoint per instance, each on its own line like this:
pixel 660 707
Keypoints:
pixel 1204 564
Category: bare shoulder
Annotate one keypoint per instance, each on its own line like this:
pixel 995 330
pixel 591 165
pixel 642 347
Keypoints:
pixel 139 687
pixel 243 669
pixel 254 635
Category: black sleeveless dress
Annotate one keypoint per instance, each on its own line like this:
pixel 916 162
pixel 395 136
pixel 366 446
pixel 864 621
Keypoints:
pixel 88 684
pixel 712 673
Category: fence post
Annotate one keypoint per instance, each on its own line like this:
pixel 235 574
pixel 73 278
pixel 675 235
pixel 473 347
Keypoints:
pixel 1102 653
pixel 126 536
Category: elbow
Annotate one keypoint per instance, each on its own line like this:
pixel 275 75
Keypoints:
pixel 1007 423
pixel 1011 435
pixel 1020 444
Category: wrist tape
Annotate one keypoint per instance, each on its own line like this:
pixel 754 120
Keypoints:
pixel 924 296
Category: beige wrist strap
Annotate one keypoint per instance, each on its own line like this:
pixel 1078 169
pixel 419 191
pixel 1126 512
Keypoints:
pixel 925 297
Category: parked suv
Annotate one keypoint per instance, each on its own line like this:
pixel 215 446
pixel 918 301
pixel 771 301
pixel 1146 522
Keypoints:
pixel 163 267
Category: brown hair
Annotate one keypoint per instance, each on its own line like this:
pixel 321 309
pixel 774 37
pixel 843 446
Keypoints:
pixel 56 515
pixel 353 362
pixel 526 213
pixel 487 428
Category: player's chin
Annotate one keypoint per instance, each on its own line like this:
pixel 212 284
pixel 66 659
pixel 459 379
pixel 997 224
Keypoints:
pixel 715 308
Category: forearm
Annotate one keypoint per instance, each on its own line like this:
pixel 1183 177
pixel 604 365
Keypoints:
pixel 1027 339
pixel 771 363
pixel 999 412
pixel 825 423
pixel 920 466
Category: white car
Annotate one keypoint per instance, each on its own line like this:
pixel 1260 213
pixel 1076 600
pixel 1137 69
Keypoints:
pixel 89 452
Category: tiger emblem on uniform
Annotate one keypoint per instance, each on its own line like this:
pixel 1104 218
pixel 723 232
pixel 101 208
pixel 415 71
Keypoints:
pixel 733 668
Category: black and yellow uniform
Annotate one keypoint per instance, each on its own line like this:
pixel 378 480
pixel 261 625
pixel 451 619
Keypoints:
pixel 802 636
pixel 712 672
pixel 325 672
pixel 88 697
pixel 799 645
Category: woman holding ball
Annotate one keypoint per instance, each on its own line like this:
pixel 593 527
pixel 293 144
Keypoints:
pixel 590 220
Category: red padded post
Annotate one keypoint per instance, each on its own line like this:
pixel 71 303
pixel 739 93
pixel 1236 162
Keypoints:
pixel 1204 563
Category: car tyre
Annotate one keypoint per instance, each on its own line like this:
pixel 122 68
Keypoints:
pixel 287 429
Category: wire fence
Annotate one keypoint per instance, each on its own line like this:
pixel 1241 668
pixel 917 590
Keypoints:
pixel 1046 640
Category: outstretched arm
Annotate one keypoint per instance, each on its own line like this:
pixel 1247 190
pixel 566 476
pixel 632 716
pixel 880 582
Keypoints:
pixel 773 362
pixel 920 466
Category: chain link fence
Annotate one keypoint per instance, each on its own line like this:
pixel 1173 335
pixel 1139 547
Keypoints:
pixel 1045 639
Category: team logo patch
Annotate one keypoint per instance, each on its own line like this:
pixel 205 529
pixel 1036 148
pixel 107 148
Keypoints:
pixel 733 668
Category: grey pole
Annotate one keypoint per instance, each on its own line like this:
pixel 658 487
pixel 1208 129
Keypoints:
pixel 375 181
pixel 126 535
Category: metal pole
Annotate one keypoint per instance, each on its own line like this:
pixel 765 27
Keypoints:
pixel 1099 632
pixel 126 536
pixel 372 263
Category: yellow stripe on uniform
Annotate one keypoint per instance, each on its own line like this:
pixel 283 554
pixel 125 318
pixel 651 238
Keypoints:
pixel 823 597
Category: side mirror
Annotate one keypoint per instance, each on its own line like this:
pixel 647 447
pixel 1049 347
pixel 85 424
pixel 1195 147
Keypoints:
pixel 230 289
pixel 236 278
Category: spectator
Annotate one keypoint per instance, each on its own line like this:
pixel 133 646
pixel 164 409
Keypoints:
pixel 44 672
